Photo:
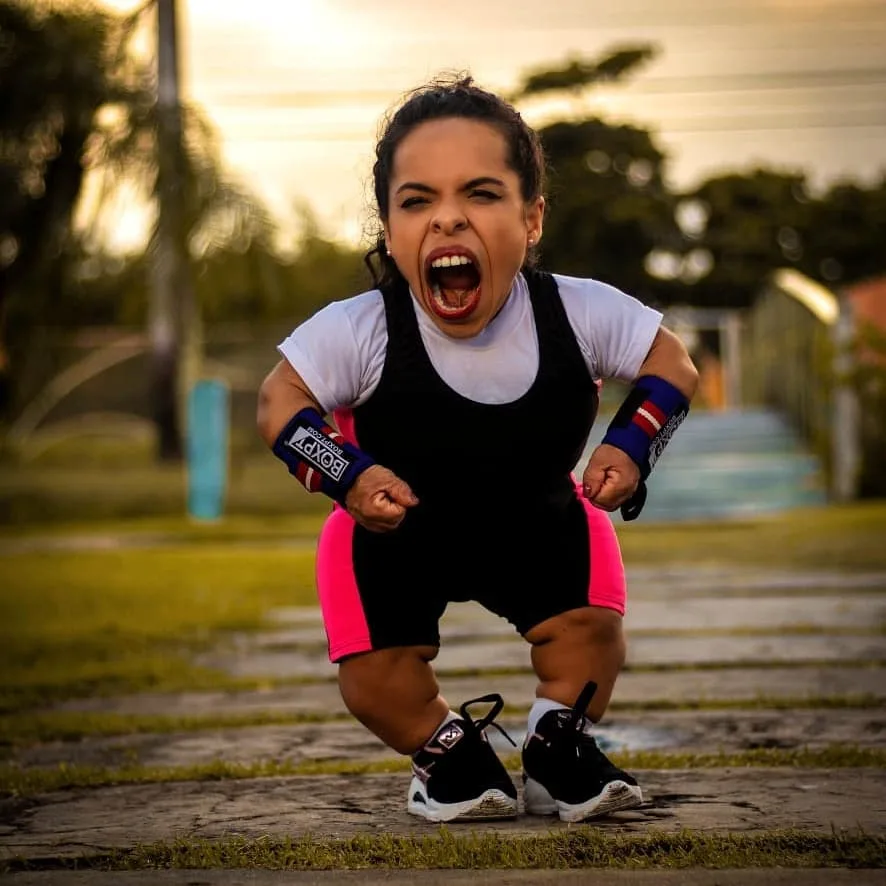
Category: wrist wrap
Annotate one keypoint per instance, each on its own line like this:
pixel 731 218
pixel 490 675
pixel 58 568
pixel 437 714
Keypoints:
pixel 318 456
pixel 642 427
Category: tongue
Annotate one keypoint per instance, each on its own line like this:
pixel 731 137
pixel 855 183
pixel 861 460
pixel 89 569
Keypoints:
pixel 457 278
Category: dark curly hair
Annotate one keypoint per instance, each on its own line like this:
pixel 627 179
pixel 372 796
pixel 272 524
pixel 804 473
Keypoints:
pixel 441 98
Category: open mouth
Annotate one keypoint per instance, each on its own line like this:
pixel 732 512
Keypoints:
pixel 454 282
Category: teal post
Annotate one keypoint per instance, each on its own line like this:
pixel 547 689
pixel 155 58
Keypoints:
pixel 208 421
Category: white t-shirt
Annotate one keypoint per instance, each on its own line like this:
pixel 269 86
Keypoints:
pixel 340 351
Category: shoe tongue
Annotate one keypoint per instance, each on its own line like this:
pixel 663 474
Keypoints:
pixel 449 734
pixel 565 721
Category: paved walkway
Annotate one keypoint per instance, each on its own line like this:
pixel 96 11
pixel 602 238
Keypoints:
pixel 794 641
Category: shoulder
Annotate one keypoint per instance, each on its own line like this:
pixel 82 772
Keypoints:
pixel 359 317
pixel 356 308
pixel 584 289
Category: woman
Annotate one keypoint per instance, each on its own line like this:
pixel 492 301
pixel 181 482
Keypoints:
pixel 464 387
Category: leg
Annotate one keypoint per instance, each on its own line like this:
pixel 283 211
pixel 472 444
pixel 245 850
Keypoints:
pixel 456 774
pixel 384 637
pixel 394 694
pixel 571 649
pixel 566 772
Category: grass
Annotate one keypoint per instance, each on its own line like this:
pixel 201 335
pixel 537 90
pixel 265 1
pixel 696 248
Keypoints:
pixel 837 537
pixel 28 782
pixel 73 486
pixel 99 623
pixel 578 847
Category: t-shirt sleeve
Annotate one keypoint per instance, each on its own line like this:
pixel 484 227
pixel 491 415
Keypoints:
pixel 614 330
pixel 339 351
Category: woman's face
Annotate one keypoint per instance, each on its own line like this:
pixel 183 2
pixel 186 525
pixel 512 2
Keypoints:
pixel 458 227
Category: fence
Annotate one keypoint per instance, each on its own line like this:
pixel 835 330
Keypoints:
pixel 797 359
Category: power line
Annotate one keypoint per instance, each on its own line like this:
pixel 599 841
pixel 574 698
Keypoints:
pixel 783 81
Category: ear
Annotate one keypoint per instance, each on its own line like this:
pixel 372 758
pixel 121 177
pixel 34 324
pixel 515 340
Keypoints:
pixel 534 216
pixel 387 234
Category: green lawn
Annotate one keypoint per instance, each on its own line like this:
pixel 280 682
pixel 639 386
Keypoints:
pixel 85 622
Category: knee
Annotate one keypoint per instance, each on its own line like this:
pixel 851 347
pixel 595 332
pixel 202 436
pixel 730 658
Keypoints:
pixel 595 626
pixel 370 681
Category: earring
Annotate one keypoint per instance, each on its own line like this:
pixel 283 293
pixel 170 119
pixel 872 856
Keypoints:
pixel 387 252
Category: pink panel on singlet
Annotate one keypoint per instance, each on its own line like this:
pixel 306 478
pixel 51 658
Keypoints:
pixel 607 586
pixel 346 628
pixel 344 421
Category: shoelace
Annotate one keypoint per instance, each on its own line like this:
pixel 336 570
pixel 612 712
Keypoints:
pixel 585 745
pixel 484 722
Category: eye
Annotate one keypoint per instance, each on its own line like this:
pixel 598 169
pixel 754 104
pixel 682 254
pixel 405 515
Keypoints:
pixel 484 196
pixel 410 202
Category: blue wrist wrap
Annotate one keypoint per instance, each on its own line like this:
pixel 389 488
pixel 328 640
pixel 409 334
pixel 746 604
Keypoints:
pixel 318 456
pixel 646 421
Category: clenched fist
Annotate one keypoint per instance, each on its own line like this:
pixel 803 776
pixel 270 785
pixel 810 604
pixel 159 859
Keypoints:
pixel 378 500
pixel 610 478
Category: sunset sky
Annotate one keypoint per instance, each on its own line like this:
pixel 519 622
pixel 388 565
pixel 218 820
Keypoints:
pixel 296 88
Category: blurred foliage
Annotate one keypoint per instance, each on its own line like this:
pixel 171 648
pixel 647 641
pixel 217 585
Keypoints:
pixel 612 215
pixel 57 70
pixel 759 221
pixel 609 207
pixel 246 279
pixel 753 225
pixel 577 74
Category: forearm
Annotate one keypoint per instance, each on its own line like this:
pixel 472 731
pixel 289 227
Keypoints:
pixel 669 359
pixel 280 397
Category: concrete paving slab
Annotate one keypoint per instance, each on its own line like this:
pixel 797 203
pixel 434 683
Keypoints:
pixel 645 651
pixel 678 687
pixel 675 731
pixel 468 622
pixel 69 823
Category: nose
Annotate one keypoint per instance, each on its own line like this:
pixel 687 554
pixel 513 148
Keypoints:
pixel 449 218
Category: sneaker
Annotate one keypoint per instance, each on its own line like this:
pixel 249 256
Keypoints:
pixel 457 775
pixel 565 772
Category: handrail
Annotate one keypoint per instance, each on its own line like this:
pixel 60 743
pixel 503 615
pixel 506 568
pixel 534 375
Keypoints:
pixel 795 342
pixel 820 301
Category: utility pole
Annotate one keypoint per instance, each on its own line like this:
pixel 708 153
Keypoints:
pixel 172 315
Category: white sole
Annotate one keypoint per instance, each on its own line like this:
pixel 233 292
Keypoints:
pixel 491 805
pixel 615 797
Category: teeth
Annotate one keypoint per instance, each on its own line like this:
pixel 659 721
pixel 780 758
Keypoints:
pixel 450 261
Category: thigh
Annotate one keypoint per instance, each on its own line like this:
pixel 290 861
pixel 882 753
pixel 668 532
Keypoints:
pixel 374 590
pixel 569 561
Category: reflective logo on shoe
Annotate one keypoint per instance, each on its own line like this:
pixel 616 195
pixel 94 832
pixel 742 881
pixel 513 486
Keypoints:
pixel 450 735
pixel 422 774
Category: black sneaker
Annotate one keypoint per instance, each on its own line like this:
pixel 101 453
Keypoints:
pixel 565 772
pixel 458 777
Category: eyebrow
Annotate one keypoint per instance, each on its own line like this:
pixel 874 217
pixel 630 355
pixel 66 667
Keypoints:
pixel 473 183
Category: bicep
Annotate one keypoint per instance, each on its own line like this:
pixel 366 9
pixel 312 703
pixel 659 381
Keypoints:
pixel 282 394
pixel 669 359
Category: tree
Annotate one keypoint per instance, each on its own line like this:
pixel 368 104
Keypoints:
pixel 74 100
pixel 609 206
pixel 751 224
pixel 578 74
pixel 57 69
pixel 754 223
pixel 845 241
